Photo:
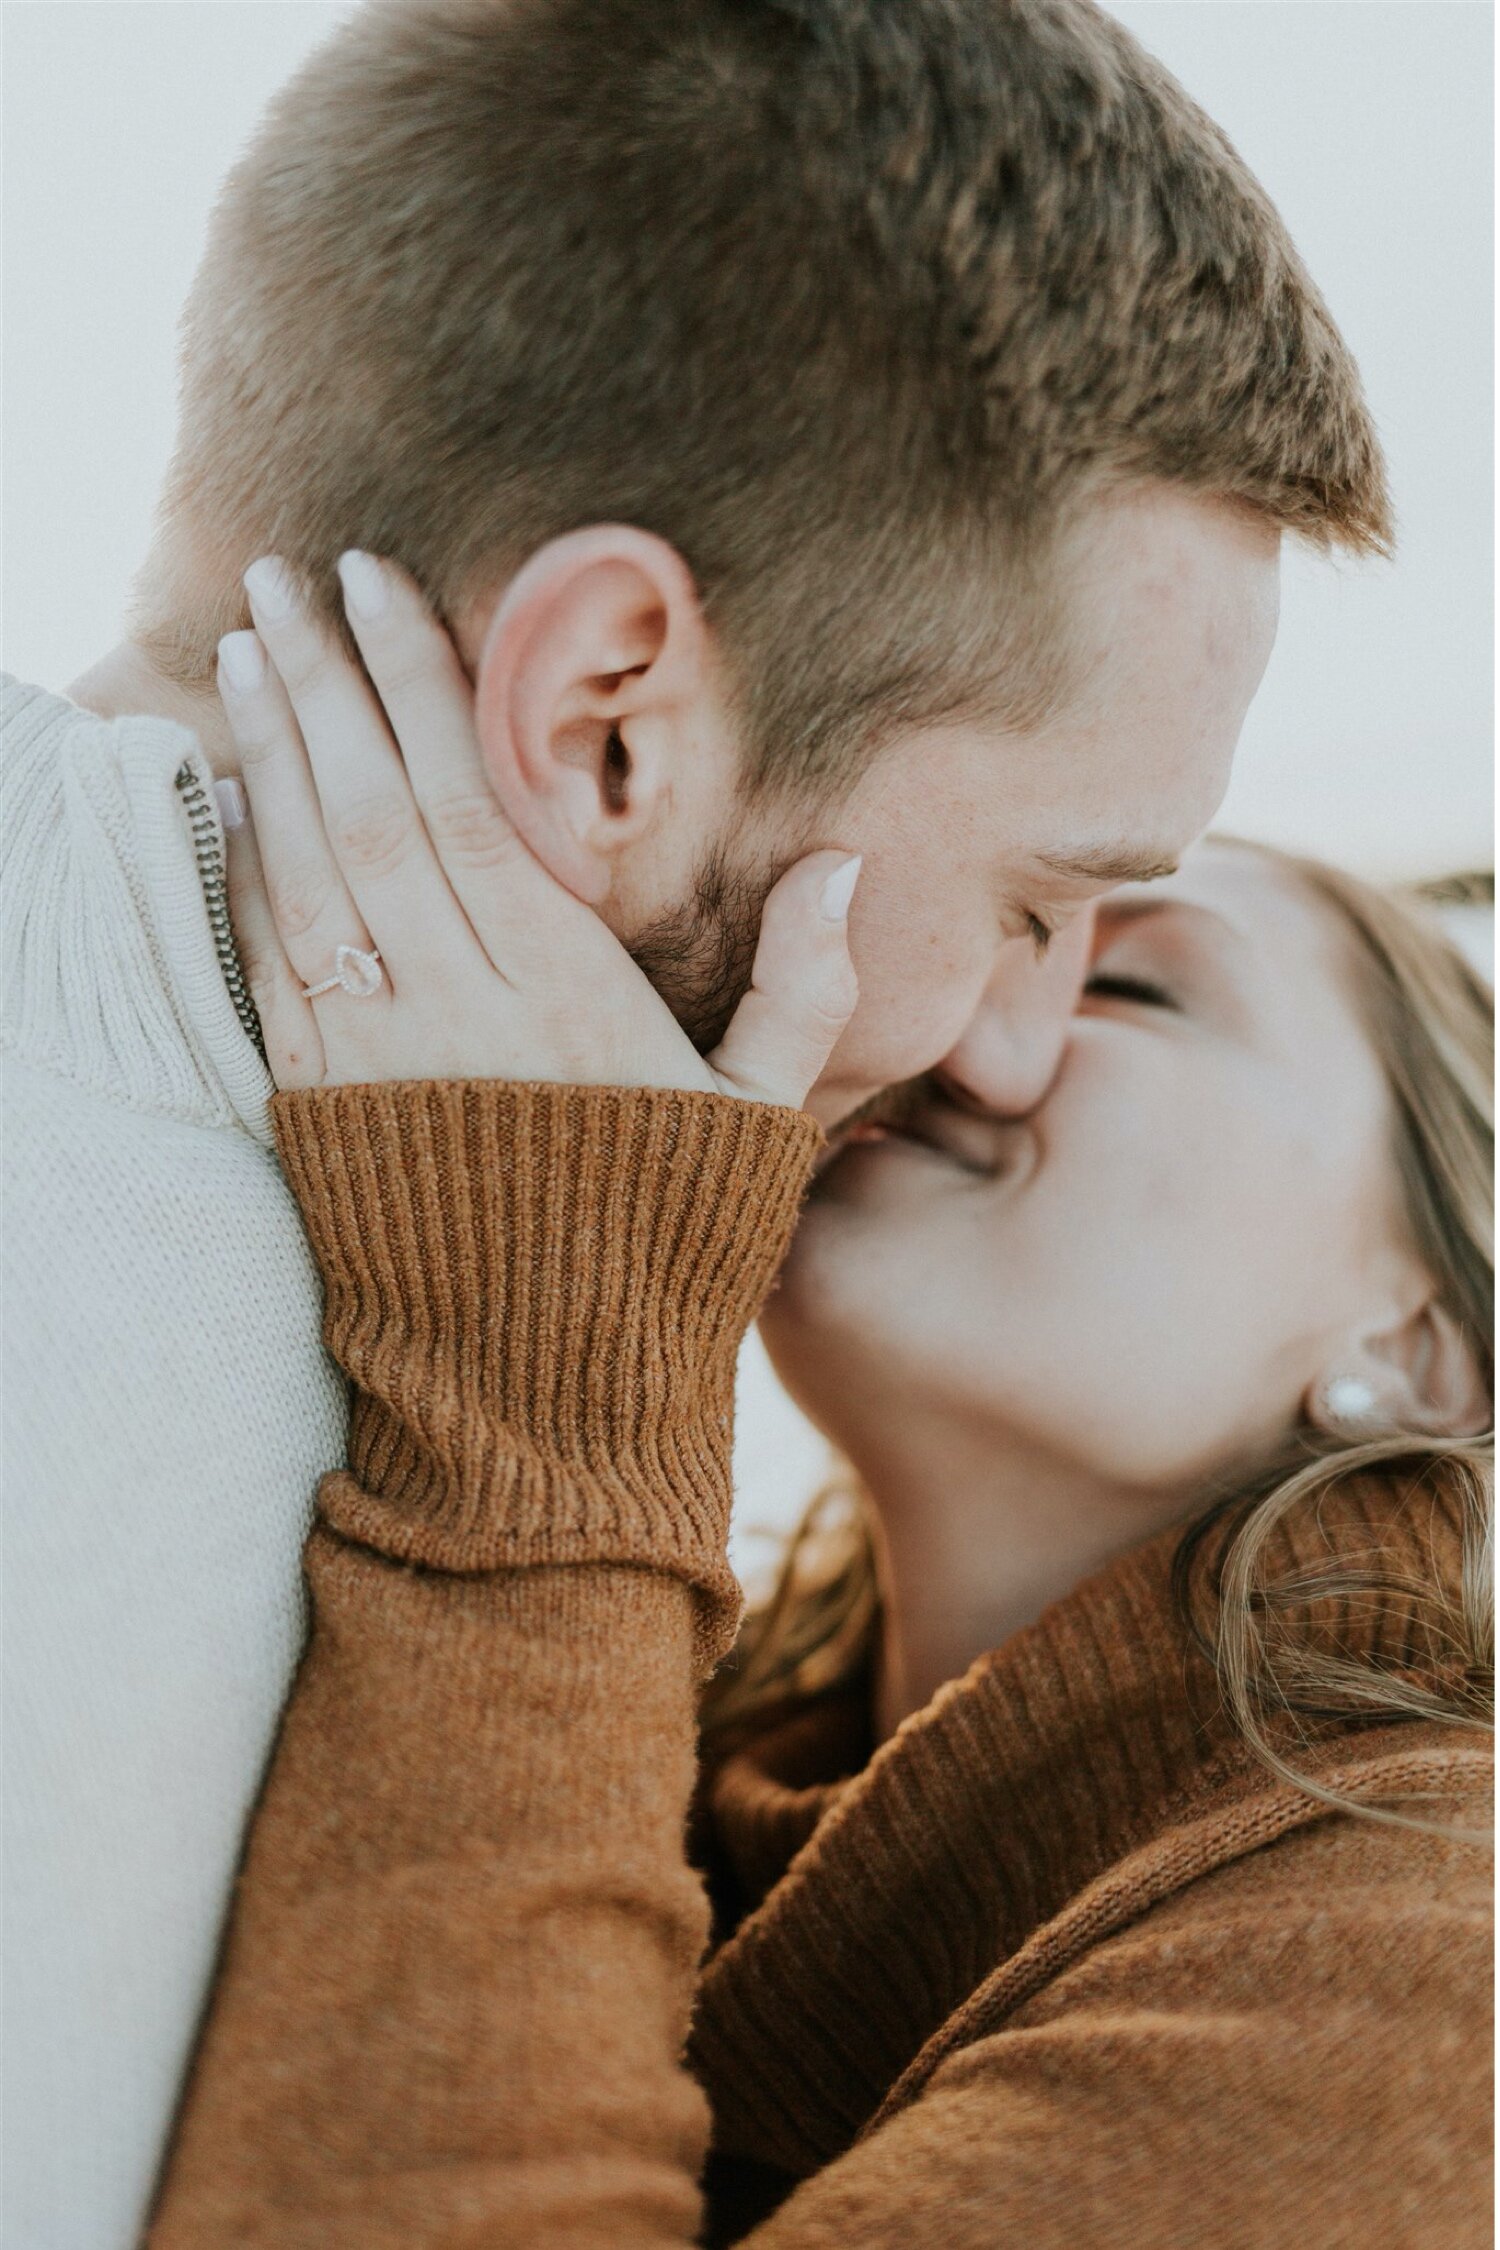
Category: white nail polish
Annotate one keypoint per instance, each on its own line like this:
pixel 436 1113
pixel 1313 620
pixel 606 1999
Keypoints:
pixel 269 585
pixel 367 590
pixel 242 660
pixel 234 807
pixel 838 891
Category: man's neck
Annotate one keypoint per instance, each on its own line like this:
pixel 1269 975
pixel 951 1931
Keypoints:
pixel 978 1541
pixel 124 684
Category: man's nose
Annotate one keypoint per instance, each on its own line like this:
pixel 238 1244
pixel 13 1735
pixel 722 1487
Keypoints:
pixel 1010 1052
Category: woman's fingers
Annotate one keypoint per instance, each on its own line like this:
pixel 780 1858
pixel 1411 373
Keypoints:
pixel 312 908
pixel 803 987
pixel 354 757
pixel 370 830
pixel 422 686
pixel 428 700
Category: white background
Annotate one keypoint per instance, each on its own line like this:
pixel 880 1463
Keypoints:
pixel 1368 121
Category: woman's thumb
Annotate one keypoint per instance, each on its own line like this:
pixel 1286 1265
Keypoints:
pixel 802 988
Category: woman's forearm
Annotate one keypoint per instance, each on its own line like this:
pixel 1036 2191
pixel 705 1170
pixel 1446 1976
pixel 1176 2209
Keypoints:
pixel 455 1991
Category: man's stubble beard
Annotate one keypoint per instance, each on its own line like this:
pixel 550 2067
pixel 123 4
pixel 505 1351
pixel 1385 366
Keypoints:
pixel 699 955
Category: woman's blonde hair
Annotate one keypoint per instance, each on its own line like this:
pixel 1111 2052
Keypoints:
pixel 1430 1019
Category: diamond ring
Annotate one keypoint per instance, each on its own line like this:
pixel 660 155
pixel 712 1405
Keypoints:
pixel 356 972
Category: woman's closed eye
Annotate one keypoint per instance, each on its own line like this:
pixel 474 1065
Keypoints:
pixel 1172 956
pixel 1117 984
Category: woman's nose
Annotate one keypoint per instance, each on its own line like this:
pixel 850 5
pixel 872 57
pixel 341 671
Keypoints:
pixel 1010 1052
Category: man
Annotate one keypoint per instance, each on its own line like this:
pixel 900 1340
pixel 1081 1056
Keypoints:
pixel 816 425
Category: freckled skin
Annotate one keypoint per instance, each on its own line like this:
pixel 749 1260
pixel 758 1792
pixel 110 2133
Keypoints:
pixel 952 822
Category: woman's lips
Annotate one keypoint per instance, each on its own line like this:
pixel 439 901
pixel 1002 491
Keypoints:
pixel 965 1137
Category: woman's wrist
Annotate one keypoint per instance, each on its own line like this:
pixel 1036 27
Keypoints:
pixel 538 1293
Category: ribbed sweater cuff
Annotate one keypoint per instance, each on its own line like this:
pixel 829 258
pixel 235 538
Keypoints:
pixel 538 1293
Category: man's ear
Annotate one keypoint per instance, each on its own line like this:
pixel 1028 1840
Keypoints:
pixel 1423 1374
pixel 594 677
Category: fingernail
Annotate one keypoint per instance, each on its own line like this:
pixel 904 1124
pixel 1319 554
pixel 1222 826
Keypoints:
pixel 838 891
pixel 233 808
pixel 242 660
pixel 269 585
pixel 367 590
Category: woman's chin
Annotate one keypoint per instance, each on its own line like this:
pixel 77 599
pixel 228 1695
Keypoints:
pixel 872 1218
pixel 792 1309
pixel 818 1366
pixel 823 1323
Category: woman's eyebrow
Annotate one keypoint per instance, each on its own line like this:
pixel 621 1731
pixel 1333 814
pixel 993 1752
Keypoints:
pixel 1115 910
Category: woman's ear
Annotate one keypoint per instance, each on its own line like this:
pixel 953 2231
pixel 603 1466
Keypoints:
pixel 1424 1375
pixel 594 684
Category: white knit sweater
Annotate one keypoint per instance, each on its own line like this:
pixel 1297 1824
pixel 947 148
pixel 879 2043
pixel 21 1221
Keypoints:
pixel 168 1411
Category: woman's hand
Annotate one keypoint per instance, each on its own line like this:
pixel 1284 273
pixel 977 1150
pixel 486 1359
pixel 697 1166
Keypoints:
pixel 375 828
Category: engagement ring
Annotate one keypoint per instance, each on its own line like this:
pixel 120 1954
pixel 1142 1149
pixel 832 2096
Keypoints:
pixel 356 972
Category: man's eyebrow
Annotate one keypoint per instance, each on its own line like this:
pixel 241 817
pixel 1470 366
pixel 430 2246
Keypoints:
pixel 1110 863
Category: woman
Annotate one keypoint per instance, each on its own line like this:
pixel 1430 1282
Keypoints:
pixel 1106 1868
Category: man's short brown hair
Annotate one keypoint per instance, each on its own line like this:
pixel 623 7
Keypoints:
pixel 851 300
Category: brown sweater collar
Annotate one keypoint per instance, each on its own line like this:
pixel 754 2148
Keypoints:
pixel 888 1894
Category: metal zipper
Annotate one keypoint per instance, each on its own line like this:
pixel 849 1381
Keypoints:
pixel 208 850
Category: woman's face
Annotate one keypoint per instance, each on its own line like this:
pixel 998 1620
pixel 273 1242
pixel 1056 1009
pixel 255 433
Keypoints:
pixel 1146 1273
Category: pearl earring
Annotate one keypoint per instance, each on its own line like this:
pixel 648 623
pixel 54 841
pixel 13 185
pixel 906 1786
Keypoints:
pixel 1348 1402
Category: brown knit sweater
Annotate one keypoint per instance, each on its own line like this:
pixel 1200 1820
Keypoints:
pixel 1060 1965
